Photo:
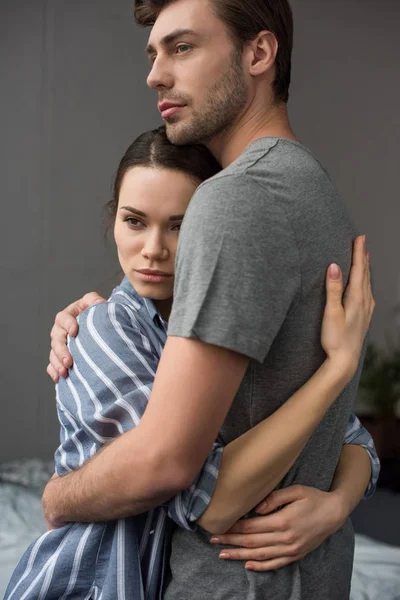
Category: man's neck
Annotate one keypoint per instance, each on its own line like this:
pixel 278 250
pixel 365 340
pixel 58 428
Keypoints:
pixel 252 126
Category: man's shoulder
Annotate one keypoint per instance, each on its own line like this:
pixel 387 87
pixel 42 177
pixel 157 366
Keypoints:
pixel 262 169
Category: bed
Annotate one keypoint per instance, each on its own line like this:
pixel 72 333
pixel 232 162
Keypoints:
pixel 376 568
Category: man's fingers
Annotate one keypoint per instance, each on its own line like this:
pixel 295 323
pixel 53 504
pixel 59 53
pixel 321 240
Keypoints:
pixel 271 565
pixel 60 359
pixel 65 323
pixel 52 373
pixel 89 299
pixel 66 319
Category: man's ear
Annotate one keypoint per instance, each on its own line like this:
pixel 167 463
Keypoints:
pixel 262 53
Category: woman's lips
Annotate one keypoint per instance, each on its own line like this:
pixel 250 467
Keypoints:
pixel 153 278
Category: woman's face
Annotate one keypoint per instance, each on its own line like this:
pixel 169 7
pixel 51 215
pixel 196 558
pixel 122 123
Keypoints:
pixel 151 206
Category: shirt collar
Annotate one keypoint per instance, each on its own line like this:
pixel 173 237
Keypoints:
pixel 146 304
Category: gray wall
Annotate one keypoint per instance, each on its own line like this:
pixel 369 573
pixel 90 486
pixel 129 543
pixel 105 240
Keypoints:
pixel 73 97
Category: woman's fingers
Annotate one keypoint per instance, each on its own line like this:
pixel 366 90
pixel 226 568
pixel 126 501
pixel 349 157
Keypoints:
pixel 334 288
pixel 267 524
pixel 357 272
pixel 259 554
pixel 271 565
pixel 253 540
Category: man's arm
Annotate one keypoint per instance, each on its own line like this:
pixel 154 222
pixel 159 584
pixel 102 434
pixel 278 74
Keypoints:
pixel 193 390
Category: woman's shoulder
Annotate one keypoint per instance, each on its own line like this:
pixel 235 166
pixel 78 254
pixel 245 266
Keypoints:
pixel 122 307
pixel 109 316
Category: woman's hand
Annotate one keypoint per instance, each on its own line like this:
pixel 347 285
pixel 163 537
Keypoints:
pixel 347 319
pixel 271 542
pixel 66 324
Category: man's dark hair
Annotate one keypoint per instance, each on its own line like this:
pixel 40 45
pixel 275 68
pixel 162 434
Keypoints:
pixel 244 20
pixel 153 149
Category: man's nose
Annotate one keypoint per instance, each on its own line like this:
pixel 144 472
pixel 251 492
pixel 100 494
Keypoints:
pixel 160 76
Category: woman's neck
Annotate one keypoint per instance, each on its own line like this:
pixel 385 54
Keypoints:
pixel 164 307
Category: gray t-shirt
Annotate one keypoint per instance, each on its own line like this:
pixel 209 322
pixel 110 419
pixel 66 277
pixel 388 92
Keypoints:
pixel 250 276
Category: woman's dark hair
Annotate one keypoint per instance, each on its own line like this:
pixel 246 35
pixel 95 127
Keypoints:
pixel 244 20
pixel 153 149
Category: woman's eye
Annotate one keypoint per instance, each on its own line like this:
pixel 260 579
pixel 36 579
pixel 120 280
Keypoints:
pixel 177 227
pixel 133 222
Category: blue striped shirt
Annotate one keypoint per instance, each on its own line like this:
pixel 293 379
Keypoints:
pixel 116 354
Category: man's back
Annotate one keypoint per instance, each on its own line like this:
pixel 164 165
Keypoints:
pixel 279 206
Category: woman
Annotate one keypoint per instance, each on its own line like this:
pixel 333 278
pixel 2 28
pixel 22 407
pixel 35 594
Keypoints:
pixel 115 358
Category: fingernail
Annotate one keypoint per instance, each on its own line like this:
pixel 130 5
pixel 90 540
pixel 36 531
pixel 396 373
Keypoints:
pixel 334 272
pixel 65 362
pixel 224 555
pixel 249 567
pixel 215 540
pixel 71 331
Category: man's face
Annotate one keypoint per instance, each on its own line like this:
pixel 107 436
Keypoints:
pixel 197 72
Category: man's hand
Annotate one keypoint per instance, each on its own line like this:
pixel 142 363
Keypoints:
pixel 65 324
pixel 49 523
pixel 271 542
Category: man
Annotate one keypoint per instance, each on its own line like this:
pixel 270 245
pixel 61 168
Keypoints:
pixel 244 329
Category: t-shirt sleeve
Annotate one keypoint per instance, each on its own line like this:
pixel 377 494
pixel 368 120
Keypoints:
pixel 237 267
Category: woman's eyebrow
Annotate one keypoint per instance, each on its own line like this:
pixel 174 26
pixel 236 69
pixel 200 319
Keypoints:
pixel 143 214
pixel 134 210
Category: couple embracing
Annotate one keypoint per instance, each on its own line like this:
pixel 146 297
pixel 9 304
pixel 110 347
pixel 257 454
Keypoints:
pixel 208 448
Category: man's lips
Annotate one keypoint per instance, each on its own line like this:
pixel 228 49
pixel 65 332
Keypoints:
pixel 167 109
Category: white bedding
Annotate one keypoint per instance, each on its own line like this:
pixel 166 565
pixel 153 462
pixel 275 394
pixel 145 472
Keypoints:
pixel 21 521
pixel 376 573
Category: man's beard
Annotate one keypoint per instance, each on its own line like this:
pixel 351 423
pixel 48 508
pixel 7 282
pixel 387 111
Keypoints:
pixel 226 99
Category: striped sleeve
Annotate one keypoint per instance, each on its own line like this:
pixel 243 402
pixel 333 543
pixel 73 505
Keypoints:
pixel 188 506
pixel 106 394
pixel 109 385
pixel 357 434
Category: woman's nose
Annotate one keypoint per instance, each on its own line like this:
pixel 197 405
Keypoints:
pixel 155 248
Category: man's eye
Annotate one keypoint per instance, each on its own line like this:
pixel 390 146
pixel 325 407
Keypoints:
pixel 177 227
pixel 182 48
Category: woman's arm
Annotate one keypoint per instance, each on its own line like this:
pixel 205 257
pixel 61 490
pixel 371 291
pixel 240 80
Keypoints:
pixel 253 464
pixel 308 517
